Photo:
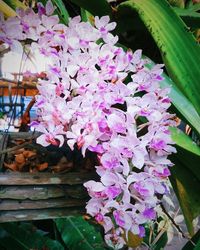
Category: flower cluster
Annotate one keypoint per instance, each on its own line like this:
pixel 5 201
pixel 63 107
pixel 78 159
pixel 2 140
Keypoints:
pixel 106 100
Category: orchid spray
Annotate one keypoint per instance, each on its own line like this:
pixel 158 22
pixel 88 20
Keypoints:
pixel 105 100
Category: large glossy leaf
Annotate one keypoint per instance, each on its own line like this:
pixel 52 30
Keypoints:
pixel 188 152
pixel 184 141
pixel 95 7
pixel 25 237
pixel 182 59
pixel 79 234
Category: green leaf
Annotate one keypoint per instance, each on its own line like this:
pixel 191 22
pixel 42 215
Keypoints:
pixel 186 176
pixel 184 141
pixel 6 9
pixel 186 186
pixel 79 234
pixel 62 11
pixel 182 59
pixel 190 17
pixel 25 237
pixel 15 4
pixel 96 8
pixel 6 243
pixel 188 152
pixel 181 103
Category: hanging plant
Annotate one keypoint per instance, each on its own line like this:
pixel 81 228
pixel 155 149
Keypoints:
pixel 106 100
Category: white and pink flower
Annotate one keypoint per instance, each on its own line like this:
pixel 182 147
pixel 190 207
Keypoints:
pixel 87 101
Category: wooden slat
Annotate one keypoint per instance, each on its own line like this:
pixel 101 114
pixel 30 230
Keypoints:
pixel 6 205
pixel 26 215
pixel 42 192
pixel 23 135
pixel 72 178
pixel 32 193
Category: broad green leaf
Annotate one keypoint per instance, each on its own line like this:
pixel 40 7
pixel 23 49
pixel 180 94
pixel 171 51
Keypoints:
pixel 6 9
pixel 62 11
pixel 95 7
pixel 6 243
pixel 25 237
pixel 181 59
pixel 184 141
pixel 188 152
pixel 15 4
pixel 181 103
pixel 79 234
pixel 190 17
pixel 186 186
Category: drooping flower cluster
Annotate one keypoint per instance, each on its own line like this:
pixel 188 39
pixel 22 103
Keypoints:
pixel 105 100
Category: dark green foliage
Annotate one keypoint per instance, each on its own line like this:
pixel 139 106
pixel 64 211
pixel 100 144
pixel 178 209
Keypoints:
pixel 76 233
pixel 25 236
pixel 95 7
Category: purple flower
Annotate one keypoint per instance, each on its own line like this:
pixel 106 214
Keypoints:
pixel 149 213
pixel 89 100
pixel 119 218
pixel 112 192
pixel 109 161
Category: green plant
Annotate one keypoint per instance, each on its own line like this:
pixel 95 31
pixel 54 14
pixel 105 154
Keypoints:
pixel 69 233
pixel 175 44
